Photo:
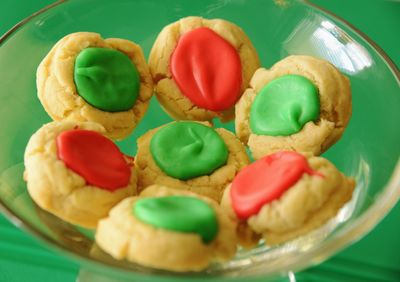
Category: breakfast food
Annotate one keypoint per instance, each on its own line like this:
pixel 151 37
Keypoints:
pixel 285 195
pixel 190 156
pixel 87 78
pixel 76 173
pixel 302 104
pixel 168 229
pixel 201 67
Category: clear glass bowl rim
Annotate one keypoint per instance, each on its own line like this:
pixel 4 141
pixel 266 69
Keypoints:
pixel 347 235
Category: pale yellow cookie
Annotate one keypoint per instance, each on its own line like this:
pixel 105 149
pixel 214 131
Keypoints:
pixel 315 137
pixel 59 190
pixel 305 206
pixel 167 91
pixel 212 185
pixel 247 237
pixel 58 94
pixel 124 236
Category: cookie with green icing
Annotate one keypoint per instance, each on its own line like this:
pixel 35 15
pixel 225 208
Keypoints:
pixel 187 149
pixel 168 229
pixel 302 104
pixel 106 79
pixel 191 156
pixel 87 78
pixel 182 214
pixel 284 106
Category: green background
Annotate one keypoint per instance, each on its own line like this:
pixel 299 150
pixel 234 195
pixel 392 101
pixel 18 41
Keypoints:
pixel 374 258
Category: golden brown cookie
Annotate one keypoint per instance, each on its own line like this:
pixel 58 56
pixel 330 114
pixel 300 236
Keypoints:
pixel 192 143
pixel 201 67
pixel 132 230
pixel 285 195
pixel 316 135
pixel 57 90
pixel 69 174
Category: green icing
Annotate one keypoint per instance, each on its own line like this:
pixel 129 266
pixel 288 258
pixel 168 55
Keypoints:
pixel 284 106
pixel 178 213
pixel 106 79
pixel 187 149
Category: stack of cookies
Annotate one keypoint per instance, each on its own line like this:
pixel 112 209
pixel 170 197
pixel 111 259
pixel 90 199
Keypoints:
pixel 191 195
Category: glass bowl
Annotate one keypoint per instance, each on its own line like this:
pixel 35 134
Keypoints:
pixel 369 149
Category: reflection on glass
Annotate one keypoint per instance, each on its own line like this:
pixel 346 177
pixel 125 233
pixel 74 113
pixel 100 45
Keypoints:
pixel 319 37
pixel 14 195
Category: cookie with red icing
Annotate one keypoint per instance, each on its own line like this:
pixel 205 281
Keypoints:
pixel 190 156
pixel 285 195
pixel 201 68
pixel 169 229
pixel 75 172
pixel 302 104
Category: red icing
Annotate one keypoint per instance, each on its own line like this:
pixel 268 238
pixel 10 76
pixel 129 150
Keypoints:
pixel 94 157
pixel 207 69
pixel 266 180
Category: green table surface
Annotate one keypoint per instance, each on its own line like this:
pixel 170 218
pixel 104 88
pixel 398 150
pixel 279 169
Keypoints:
pixel 376 257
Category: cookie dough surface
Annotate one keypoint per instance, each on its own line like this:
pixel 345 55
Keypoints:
pixel 247 238
pixel 125 237
pixel 167 91
pixel 59 190
pixel 211 185
pixel 315 137
pixel 58 94
pixel 307 205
